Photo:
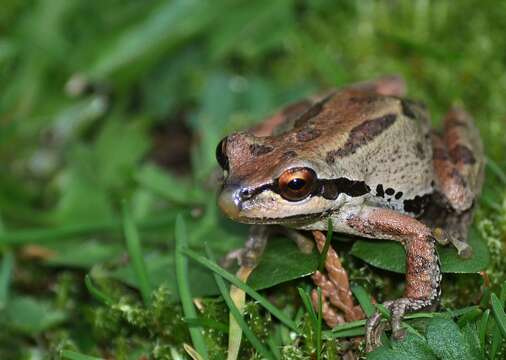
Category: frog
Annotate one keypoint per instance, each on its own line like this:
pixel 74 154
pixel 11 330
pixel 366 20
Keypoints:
pixel 365 158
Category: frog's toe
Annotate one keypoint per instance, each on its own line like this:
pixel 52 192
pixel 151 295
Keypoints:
pixel 373 330
pixel 464 250
pixel 398 309
pixel 441 236
pixel 233 257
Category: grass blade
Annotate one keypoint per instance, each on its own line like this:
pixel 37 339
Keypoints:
pixel 259 347
pixel 325 250
pixel 363 299
pixel 318 329
pixel 5 277
pixel 496 170
pixel 306 300
pixel 496 341
pixel 232 279
pixel 135 252
pixel 183 285
pixel 72 355
pixel 499 315
pixel 96 293
pixel 482 329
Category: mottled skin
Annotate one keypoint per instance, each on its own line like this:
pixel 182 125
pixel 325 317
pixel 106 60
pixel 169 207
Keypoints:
pixel 375 169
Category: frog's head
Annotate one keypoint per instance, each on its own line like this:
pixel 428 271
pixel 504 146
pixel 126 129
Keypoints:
pixel 276 180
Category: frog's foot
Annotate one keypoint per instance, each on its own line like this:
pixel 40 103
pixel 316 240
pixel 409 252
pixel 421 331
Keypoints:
pixel 250 254
pixel 398 308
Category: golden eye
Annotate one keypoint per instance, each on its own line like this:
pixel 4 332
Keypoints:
pixel 297 184
pixel 221 154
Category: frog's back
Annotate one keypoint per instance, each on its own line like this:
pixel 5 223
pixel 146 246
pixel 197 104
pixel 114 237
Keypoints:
pixel 380 140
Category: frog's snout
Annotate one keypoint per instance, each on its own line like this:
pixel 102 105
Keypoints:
pixel 230 201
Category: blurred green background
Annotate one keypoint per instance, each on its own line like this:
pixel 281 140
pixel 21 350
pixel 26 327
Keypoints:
pixel 105 102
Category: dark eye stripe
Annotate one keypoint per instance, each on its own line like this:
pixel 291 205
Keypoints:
pixel 327 188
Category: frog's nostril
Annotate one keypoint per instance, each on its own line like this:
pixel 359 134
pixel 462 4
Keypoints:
pixel 245 194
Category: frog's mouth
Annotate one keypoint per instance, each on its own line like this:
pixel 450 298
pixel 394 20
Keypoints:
pixel 292 220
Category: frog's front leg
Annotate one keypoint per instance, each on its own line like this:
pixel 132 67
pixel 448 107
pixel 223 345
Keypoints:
pixel 423 275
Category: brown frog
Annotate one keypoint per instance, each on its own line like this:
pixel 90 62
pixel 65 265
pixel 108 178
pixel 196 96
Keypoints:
pixel 367 159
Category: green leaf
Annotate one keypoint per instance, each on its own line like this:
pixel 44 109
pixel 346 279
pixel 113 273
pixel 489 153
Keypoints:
pixel 470 333
pixel 281 262
pixel 390 255
pixel 30 316
pixel 499 315
pixel 446 340
pixel 412 347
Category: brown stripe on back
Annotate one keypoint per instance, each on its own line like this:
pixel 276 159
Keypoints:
pixel 361 135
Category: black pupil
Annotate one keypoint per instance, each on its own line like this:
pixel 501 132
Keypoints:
pixel 296 184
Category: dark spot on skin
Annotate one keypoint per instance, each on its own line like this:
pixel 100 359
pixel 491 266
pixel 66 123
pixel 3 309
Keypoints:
pixel 259 149
pixel 361 135
pixel 417 204
pixel 407 108
pixel 379 191
pixel 419 153
pixel 398 195
pixel 390 191
pixel 458 178
pixel 462 154
pixel 289 154
pixel 332 188
pixel 307 134
pixel 329 158
pixel 312 111
pixel 440 154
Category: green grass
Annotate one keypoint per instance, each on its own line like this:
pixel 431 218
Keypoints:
pixel 106 103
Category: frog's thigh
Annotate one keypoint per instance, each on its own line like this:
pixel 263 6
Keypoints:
pixel 458 164
pixel 422 265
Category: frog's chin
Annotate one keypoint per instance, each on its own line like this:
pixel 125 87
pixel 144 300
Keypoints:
pixel 295 221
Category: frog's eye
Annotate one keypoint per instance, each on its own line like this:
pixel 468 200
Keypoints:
pixel 221 154
pixel 297 184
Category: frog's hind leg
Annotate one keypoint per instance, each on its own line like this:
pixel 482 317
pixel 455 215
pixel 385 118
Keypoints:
pixel 458 165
